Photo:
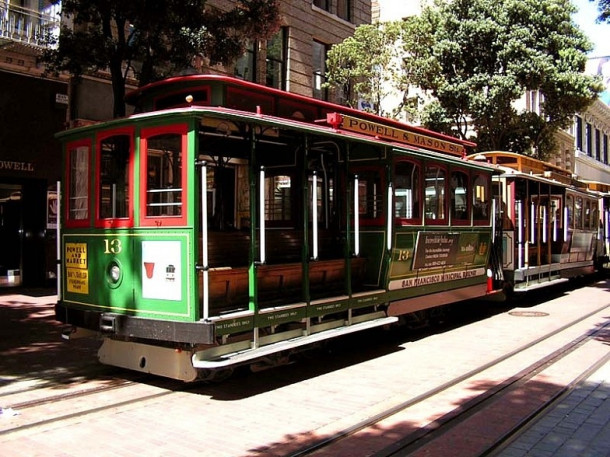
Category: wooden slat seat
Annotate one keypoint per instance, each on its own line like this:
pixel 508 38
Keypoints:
pixel 279 279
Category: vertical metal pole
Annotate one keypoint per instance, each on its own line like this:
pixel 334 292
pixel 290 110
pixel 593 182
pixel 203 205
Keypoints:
pixel 390 216
pixel 356 219
pixel 58 241
pixel 314 215
pixel 532 224
pixel 520 233
pixel 204 239
pixel 493 219
pixel 114 201
pixel 261 215
pixel 554 218
pixel 565 224
pixel 544 225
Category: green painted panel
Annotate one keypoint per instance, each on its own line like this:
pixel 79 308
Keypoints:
pixel 156 273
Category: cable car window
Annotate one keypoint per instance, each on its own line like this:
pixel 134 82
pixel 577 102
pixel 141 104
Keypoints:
pixel 278 198
pixel 459 196
pixel 578 213
pixel 570 210
pixel 435 194
pixel 556 220
pixel 406 190
pixel 594 216
pixel 480 198
pixel 587 215
pixel 78 182
pixel 324 203
pixel 164 175
pixel 370 194
pixel 114 179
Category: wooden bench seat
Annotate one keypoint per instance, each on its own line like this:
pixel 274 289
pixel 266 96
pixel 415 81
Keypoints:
pixel 280 283
pixel 280 279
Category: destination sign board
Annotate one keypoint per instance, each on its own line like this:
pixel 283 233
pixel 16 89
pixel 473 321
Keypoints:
pixel 398 135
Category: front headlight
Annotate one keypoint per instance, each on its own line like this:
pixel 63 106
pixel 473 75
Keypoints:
pixel 114 274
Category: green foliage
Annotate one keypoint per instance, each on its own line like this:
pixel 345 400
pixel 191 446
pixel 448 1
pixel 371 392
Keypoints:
pixel 153 38
pixel 604 10
pixel 474 62
pixel 488 54
pixel 364 65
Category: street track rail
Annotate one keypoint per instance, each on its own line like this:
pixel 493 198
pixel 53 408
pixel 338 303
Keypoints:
pixel 426 434
pixel 134 391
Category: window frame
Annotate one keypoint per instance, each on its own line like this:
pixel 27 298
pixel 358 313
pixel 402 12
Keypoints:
pixel 445 219
pixel 349 10
pixel 362 171
pixel 73 145
pixel 473 178
pixel 159 220
pixel 469 180
pixel 283 37
pixel 319 74
pixel 404 221
pixel 292 221
pixel 117 221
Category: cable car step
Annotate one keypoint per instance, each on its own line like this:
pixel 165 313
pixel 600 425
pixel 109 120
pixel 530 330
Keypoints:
pixel 246 355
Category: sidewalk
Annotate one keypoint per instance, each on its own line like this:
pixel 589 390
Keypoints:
pixel 578 425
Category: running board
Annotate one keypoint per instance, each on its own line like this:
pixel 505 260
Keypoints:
pixel 537 284
pixel 247 355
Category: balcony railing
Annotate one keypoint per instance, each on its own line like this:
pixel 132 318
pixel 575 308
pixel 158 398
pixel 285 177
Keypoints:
pixel 26 26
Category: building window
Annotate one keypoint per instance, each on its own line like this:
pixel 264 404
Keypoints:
pixel 579 133
pixel 319 71
pixel 276 60
pixel 598 145
pixel 323 4
pixel 245 66
pixel 589 139
pixel 605 153
pixel 344 9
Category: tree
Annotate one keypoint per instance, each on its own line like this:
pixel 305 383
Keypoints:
pixel 473 60
pixel 153 38
pixel 489 53
pixel 604 10
pixel 364 67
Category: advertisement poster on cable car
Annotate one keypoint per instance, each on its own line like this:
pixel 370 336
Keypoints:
pixel 161 275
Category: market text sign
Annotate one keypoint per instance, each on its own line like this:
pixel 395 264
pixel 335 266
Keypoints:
pixel 400 136
pixel 77 275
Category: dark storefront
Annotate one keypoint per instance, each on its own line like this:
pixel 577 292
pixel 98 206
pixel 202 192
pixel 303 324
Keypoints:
pixel 32 110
